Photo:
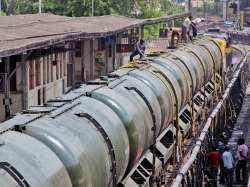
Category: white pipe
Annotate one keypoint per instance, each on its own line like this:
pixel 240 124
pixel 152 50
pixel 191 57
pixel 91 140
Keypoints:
pixel 196 149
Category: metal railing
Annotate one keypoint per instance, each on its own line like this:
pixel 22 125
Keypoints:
pixel 195 154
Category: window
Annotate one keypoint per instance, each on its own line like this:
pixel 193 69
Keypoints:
pixel 78 52
pixel 2 66
pixel 101 44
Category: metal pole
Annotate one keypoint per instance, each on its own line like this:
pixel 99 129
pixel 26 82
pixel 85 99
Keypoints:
pixel 187 6
pixel 92 8
pixel 204 13
pixel 40 6
pixel 238 14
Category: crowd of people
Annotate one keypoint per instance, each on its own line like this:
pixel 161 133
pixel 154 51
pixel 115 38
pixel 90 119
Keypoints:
pixel 222 160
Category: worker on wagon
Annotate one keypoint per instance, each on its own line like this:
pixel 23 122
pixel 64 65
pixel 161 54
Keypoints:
pixel 138 50
pixel 186 28
pixel 194 30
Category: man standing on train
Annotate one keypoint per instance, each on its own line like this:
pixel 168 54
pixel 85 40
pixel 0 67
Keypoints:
pixel 186 29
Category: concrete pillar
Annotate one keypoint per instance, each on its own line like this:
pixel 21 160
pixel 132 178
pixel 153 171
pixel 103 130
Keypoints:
pixel 25 82
pixel 72 62
pixel 106 57
pixel 173 23
pixel 114 54
pixel 92 59
pixel 187 6
pixel 7 89
pixel 83 73
pixel 142 32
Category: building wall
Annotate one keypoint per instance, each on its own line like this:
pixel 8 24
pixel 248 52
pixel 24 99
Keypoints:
pixel 93 67
pixel 123 57
pixel 15 107
pixel 47 78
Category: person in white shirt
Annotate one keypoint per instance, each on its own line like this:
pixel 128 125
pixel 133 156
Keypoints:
pixel 186 28
pixel 228 162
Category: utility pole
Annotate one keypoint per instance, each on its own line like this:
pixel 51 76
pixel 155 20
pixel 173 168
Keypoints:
pixel 205 12
pixel 238 10
pixel 92 8
pixel 40 6
pixel 187 6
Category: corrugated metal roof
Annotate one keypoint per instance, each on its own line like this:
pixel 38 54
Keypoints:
pixel 24 32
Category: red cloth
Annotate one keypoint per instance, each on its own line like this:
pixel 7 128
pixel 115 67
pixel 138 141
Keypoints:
pixel 214 159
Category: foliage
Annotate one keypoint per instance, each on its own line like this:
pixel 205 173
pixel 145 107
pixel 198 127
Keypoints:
pixel 131 8
pixel 158 8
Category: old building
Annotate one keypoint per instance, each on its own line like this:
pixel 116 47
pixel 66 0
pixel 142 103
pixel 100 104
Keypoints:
pixel 42 56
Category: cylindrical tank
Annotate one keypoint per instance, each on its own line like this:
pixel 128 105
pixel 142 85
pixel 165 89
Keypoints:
pixel 186 60
pixel 132 120
pixel 164 98
pixel 215 51
pixel 30 160
pixel 81 147
pixel 141 94
pixel 204 58
pixel 107 128
pixel 183 76
pixel 114 128
pixel 172 79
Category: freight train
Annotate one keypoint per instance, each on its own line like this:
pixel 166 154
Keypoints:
pixel 117 130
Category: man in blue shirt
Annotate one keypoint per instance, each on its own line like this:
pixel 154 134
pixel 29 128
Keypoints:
pixel 139 50
pixel 228 162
